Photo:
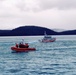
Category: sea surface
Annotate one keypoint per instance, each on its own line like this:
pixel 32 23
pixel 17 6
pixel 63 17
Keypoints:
pixel 55 58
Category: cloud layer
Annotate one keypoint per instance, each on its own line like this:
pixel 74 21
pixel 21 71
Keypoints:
pixel 36 5
pixel 47 13
pixel 60 4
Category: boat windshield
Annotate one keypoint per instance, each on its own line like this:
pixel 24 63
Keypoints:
pixel 47 37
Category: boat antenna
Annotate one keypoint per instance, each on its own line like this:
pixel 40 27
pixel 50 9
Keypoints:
pixel 45 33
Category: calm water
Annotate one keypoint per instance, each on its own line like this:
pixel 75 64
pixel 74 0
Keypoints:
pixel 56 58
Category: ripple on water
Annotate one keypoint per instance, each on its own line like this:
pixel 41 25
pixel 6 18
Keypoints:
pixel 57 58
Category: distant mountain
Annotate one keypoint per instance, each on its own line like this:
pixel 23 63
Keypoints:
pixel 68 32
pixel 31 30
pixel 58 30
pixel 34 30
pixel 4 32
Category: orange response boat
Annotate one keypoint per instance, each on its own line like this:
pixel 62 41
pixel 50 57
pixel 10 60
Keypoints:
pixel 22 49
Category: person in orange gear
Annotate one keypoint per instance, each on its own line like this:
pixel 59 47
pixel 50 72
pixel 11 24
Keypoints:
pixel 16 45
pixel 26 45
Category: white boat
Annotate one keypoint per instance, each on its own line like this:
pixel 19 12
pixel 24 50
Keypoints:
pixel 47 38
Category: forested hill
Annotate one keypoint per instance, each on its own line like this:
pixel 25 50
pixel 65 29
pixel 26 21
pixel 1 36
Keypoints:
pixel 33 31
pixel 68 32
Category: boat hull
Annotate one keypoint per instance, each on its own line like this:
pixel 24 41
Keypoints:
pixel 46 41
pixel 22 49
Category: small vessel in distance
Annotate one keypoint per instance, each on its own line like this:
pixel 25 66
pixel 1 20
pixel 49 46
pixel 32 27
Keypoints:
pixel 47 38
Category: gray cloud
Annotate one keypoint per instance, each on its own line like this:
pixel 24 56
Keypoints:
pixel 60 4
pixel 28 5
pixel 48 13
pixel 39 5
pixel 2 0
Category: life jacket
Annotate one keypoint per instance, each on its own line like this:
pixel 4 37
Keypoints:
pixel 26 45
pixel 16 45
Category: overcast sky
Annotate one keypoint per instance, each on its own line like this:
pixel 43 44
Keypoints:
pixel 53 14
